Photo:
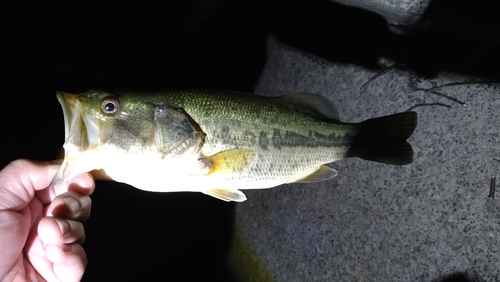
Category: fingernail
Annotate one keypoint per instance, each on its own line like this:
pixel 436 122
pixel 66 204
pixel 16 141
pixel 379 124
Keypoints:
pixel 73 205
pixel 63 226
pixel 85 201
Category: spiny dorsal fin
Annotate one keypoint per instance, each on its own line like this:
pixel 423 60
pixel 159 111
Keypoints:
pixel 226 195
pixel 315 103
pixel 321 174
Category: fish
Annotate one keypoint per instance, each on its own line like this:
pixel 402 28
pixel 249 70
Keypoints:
pixel 219 142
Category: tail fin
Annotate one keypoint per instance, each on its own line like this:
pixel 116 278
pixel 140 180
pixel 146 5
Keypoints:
pixel 384 139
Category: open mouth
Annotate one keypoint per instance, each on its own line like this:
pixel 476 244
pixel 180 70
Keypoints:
pixel 70 106
pixel 77 141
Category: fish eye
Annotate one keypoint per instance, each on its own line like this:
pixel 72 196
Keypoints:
pixel 110 105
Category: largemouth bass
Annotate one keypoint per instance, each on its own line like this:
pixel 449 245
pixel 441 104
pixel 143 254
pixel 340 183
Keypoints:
pixel 218 142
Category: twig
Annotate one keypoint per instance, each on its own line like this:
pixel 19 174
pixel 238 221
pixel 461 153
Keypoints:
pixel 434 89
pixel 454 84
pixel 492 187
pixel 428 105
pixel 386 70
pixel 448 97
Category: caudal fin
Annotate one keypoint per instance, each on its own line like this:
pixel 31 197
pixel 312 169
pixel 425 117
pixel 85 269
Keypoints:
pixel 384 139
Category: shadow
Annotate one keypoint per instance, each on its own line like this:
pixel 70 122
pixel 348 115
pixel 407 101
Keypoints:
pixel 332 31
pixel 188 43
pixel 457 36
pixel 140 236
pixel 460 277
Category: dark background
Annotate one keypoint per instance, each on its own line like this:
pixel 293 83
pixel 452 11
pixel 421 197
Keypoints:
pixel 47 46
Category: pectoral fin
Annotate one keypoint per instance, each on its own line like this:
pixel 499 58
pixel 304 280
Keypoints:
pixel 229 161
pixel 323 173
pixel 226 195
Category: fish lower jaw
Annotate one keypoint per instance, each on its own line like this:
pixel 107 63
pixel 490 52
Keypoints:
pixel 75 163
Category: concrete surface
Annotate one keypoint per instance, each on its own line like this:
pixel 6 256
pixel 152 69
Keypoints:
pixel 377 222
pixel 400 12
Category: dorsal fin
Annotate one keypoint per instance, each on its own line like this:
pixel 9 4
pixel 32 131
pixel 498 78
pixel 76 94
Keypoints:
pixel 317 104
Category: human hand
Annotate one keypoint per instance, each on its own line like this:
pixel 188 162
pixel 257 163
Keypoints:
pixel 41 229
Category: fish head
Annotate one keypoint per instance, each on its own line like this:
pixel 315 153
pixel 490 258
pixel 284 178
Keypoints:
pixel 112 131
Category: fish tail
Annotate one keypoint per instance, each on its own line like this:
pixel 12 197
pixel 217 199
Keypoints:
pixel 384 139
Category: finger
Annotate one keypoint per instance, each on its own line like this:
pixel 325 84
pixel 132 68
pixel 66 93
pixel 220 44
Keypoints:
pixel 33 174
pixel 83 184
pixel 69 261
pixel 21 178
pixel 70 205
pixel 100 175
pixel 57 231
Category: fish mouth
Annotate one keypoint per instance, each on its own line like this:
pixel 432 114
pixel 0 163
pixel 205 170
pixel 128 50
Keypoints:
pixel 81 134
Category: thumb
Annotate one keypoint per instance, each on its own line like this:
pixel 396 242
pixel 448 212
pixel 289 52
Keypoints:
pixel 20 179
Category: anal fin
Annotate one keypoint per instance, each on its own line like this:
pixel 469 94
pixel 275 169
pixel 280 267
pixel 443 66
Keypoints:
pixel 321 174
pixel 226 195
